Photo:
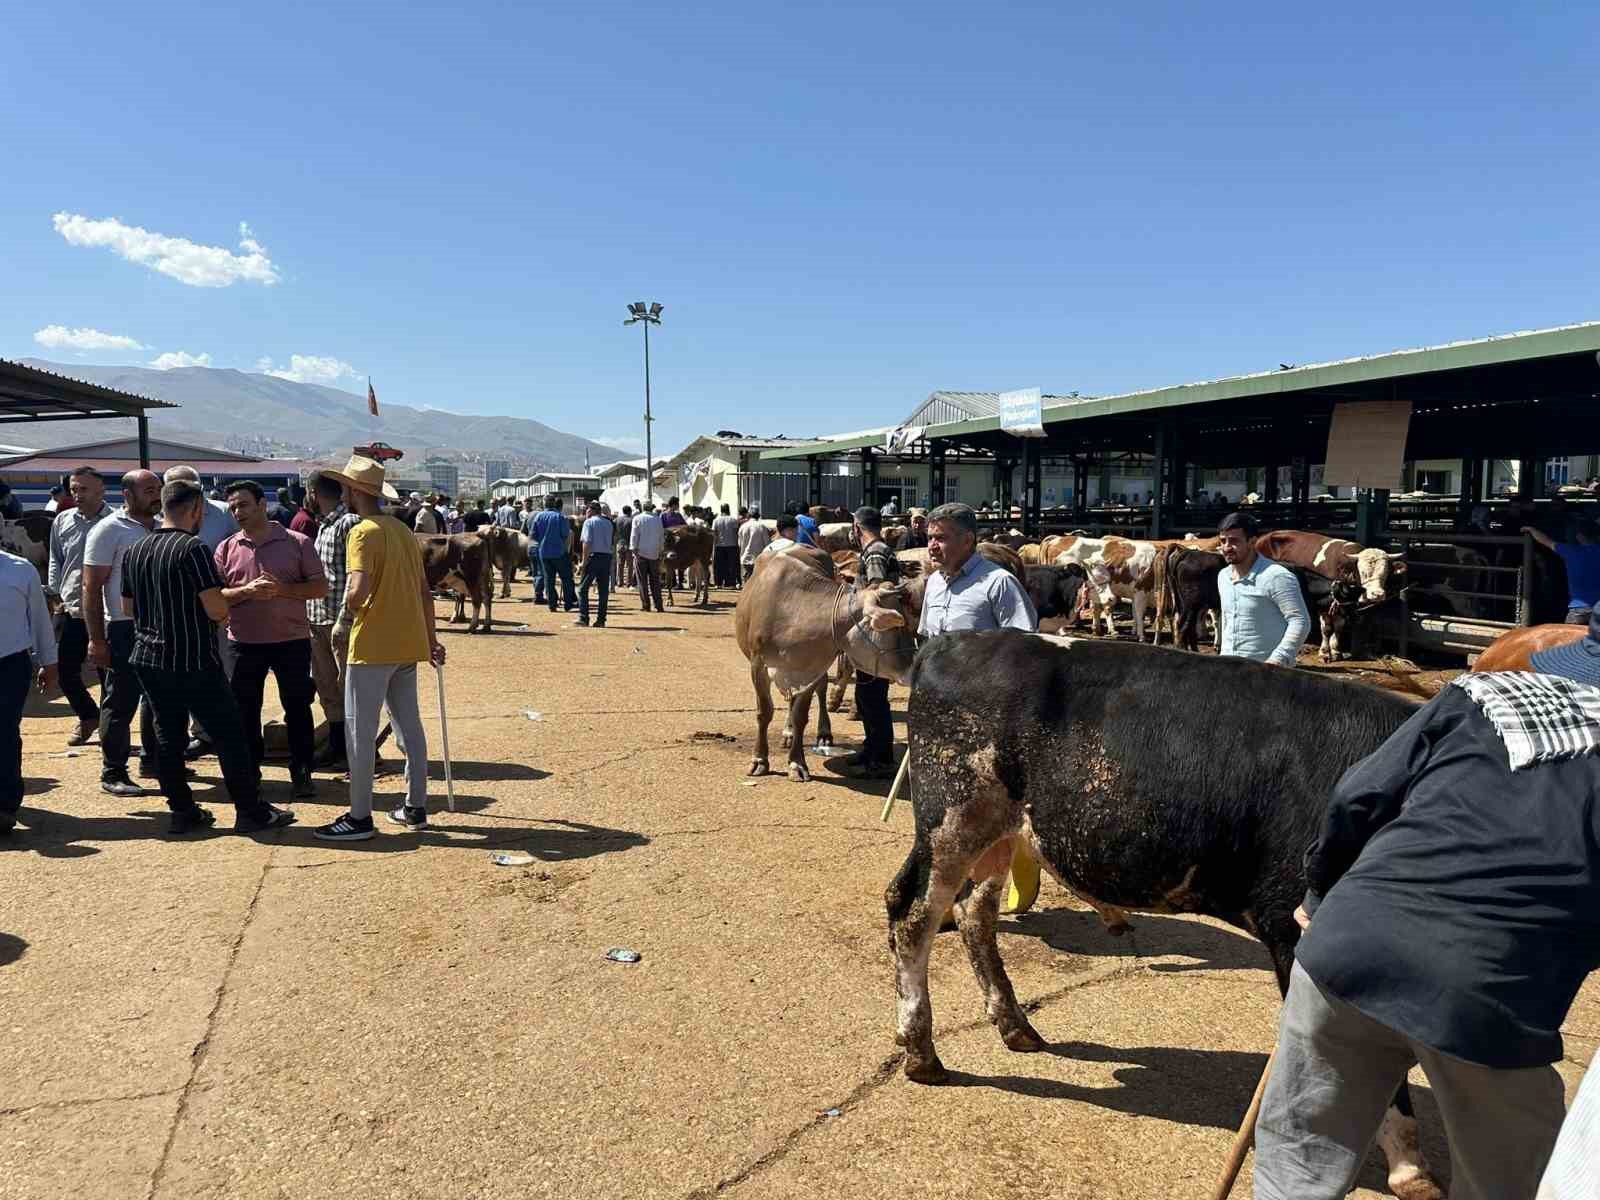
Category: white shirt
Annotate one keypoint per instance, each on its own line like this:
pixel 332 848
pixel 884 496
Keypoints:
pixel 777 544
pixel 108 545
pixel 646 535
pixel 753 539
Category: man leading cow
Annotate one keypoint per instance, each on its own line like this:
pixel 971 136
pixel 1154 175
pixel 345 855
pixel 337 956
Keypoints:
pixel 875 759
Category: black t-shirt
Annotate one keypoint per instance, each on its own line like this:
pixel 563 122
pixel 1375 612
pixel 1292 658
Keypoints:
pixel 1453 898
pixel 164 575
pixel 475 520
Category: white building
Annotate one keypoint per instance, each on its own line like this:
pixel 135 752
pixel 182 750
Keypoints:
pixel 726 468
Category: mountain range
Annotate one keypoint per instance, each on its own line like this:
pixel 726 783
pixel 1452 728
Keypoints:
pixel 220 406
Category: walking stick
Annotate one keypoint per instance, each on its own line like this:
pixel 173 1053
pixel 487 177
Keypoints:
pixel 1245 1138
pixel 899 782
pixel 444 729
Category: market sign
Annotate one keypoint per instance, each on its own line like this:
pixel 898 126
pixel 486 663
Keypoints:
pixel 1022 412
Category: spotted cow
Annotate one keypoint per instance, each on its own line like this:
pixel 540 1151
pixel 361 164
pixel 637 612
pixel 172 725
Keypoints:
pixel 1012 737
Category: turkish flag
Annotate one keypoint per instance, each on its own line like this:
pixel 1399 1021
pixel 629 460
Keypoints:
pixel 372 399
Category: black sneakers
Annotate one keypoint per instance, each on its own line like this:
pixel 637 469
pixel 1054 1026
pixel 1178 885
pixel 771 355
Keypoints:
pixel 187 820
pixel 263 819
pixel 347 828
pixel 120 785
pixel 411 818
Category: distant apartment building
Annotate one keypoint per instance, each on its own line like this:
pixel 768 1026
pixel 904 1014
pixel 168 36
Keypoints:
pixel 496 468
pixel 471 478
pixel 444 477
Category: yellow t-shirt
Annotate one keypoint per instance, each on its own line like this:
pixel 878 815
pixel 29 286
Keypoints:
pixel 390 628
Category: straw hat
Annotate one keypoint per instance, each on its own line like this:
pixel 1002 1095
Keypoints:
pixel 364 475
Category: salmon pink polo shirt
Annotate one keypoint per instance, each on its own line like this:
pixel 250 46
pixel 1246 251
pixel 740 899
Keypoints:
pixel 288 557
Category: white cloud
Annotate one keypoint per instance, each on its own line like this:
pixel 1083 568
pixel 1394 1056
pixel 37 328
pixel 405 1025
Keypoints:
pixel 187 262
pixel 180 358
pixel 622 443
pixel 310 368
pixel 59 337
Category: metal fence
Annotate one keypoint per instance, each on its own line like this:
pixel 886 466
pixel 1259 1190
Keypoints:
pixel 772 492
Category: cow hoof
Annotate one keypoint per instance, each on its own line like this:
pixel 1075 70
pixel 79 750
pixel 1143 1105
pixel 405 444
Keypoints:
pixel 798 773
pixel 1418 1187
pixel 926 1070
pixel 1023 1039
pixel 758 766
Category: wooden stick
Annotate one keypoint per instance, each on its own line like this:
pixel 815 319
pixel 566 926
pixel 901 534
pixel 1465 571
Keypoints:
pixel 899 782
pixel 1245 1138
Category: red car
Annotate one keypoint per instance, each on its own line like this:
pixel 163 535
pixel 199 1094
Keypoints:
pixel 379 452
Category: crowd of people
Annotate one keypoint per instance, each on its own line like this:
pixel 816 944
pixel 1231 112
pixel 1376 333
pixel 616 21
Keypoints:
pixel 1449 914
pixel 184 605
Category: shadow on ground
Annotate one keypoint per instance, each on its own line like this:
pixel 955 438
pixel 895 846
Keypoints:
pixel 1074 931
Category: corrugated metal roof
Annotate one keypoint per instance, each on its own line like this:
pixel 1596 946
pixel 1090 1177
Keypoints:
pixel 1583 337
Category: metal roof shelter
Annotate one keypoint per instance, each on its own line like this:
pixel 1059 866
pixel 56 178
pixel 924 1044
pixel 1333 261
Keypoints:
pixel 1520 396
pixel 28 394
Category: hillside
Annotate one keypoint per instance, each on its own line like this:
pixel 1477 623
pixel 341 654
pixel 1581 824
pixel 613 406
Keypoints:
pixel 220 404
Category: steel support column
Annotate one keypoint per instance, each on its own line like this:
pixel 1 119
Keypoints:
pixel 1372 516
pixel 1002 485
pixel 869 476
pixel 936 483
pixel 814 467
pixel 1161 489
pixel 144 442
pixel 1270 486
pixel 1080 486
pixel 1032 486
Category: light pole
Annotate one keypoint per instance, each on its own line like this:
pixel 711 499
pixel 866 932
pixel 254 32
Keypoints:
pixel 637 312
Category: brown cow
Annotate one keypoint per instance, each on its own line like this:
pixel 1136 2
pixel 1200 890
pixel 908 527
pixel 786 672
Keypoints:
pixel 459 562
pixel 916 563
pixel 688 548
pixel 1514 649
pixel 508 550
pixel 1377 571
pixel 794 619
pixel 823 513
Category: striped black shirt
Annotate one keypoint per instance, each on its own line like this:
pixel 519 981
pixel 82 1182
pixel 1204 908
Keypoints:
pixel 165 574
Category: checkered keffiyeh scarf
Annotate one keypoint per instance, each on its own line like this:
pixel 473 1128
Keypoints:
pixel 1540 718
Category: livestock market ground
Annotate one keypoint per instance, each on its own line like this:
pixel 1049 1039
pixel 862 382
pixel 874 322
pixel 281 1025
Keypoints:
pixel 403 1018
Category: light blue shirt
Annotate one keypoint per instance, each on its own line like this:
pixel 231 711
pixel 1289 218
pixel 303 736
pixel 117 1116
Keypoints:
pixel 983 595
pixel 597 535
pixel 1263 614
pixel 217 525
pixel 507 517
pixel 24 616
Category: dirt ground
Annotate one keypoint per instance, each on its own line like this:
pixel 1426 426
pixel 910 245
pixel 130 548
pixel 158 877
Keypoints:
pixel 279 1017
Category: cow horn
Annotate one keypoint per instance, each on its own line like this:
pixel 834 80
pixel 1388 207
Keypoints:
pixel 1392 555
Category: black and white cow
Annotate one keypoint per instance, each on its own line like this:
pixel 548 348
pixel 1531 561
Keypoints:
pixel 1141 778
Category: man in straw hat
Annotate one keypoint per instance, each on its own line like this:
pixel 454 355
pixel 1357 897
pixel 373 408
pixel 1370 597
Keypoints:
pixel 387 626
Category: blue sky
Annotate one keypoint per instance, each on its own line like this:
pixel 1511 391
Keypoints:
pixel 841 207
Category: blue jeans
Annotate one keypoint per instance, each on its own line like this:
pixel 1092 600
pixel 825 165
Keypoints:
pixel 561 567
pixel 596 571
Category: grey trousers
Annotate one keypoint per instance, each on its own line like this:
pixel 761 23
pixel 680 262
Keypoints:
pixel 368 689
pixel 1335 1072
